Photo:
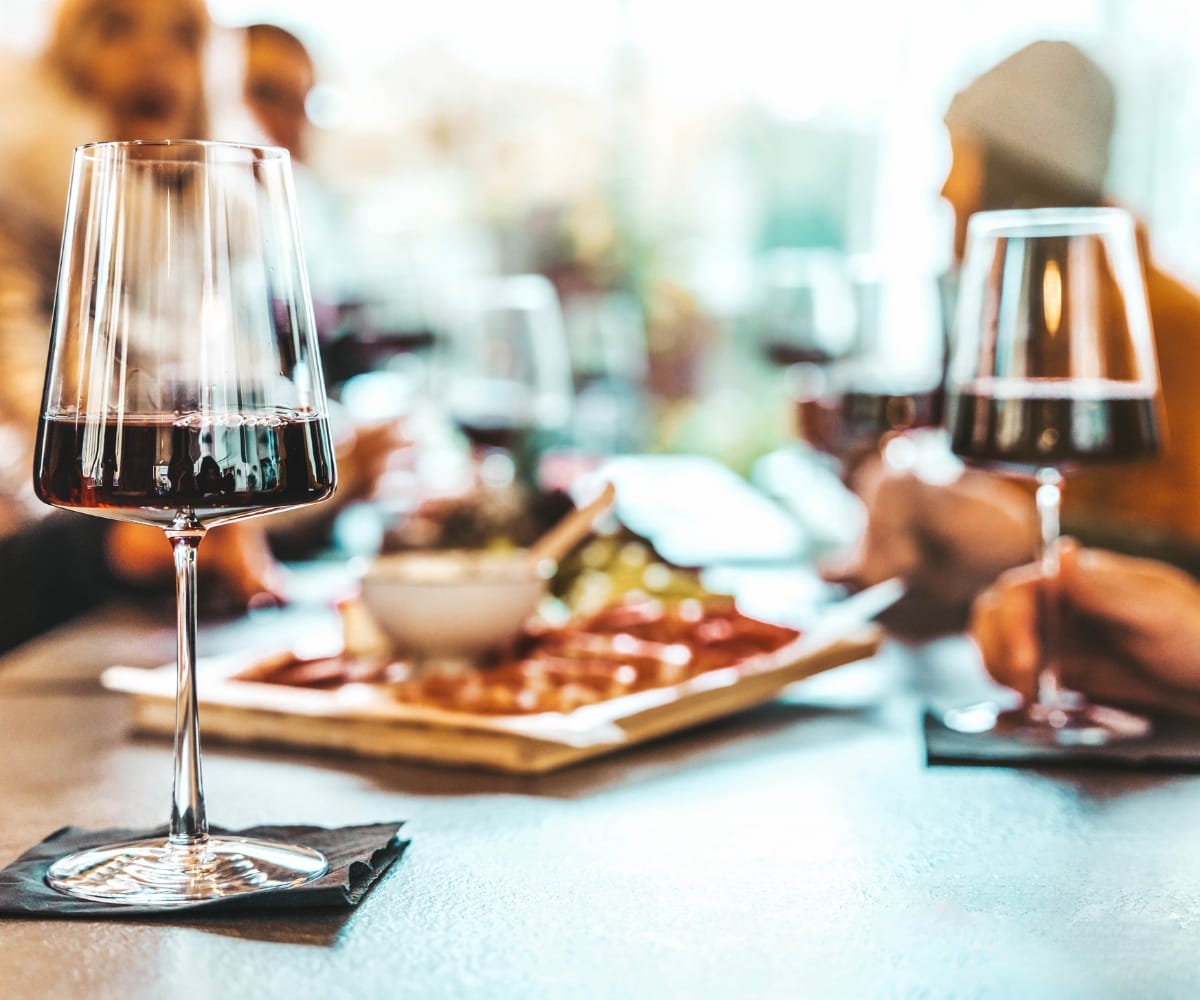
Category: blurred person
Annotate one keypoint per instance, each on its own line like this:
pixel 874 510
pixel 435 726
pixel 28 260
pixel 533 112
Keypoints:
pixel 1034 131
pixel 280 74
pixel 138 63
pixel 112 69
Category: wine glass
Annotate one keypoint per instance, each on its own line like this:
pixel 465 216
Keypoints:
pixel 606 341
pixel 805 319
pixel 806 313
pixel 508 372
pixel 1053 368
pixel 891 382
pixel 183 391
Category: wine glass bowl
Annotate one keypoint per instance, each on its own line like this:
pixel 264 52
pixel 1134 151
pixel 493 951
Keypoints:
pixel 849 412
pixel 890 382
pixel 606 340
pixel 183 391
pixel 805 312
pixel 507 368
pixel 1068 376
pixel 1054 368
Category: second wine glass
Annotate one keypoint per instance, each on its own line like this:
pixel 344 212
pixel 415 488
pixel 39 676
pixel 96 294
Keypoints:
pixel 890 383
pixel 507 374
pixel 1053 368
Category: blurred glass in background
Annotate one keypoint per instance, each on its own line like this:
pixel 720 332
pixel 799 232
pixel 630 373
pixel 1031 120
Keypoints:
pixel 660 165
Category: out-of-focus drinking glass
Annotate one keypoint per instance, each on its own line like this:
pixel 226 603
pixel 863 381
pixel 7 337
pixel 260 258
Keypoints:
pixel 606 339
pixel 805 311
pixel 804 320
pixel 183 391
pixel 506 373
pixel 1053 368
pixel 890 382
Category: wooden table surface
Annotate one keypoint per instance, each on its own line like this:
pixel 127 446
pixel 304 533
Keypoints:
pixel 801 850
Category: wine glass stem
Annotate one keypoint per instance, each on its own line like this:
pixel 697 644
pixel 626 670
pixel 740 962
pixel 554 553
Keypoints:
pixel 1051 693
pixel 189 825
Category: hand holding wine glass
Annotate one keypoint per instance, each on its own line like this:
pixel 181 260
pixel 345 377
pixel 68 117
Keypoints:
pixel 1054 367
pixel 1142 629
pixel 183 390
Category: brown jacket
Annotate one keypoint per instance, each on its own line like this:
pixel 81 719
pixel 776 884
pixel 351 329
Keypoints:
pixel 1153 507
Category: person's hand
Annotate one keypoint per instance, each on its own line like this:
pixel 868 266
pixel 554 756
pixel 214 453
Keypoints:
pixel 235 566
pixel 945 540
pixel 1131 628
pixel 363 457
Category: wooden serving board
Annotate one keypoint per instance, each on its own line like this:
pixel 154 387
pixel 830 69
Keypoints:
pixel 366 720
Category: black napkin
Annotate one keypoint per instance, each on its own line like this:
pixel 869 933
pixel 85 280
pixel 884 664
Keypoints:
pixel 358 857
pixel 1173 745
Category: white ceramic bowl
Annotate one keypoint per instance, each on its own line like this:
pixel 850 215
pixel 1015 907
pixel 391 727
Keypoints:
pixel 453 603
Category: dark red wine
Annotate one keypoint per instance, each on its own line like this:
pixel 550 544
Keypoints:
pixel 372 350
pixel 494 412
pixel 858 419
pixel 785 354
pixel 148 468
pixel 1032 425
pixel 494 430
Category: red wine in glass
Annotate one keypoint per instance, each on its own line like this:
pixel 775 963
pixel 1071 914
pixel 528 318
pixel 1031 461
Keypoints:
pixel 1061 423
pixel 889 378
pixel 148 468
pixel 507 368
pixel 858 420
pixel 375 349
pixel 498 415
pixel 785 352
pixel 495 426
pixel 805 312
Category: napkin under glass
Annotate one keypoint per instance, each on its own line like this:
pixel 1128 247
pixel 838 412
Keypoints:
pixel 358 857
pixel 1173 745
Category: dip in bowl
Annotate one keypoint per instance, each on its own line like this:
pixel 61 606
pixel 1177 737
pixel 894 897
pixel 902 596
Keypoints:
pixel 455 602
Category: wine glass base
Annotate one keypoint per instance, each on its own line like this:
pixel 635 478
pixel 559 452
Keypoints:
pixel 1084 725
pixel 157 873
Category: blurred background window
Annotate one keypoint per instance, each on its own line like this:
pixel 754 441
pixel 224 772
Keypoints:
pixel 659 150
pixel 715 131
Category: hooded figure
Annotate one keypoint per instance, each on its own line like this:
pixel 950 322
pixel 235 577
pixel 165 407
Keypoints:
pixel 1048 107
pixel 1034 131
